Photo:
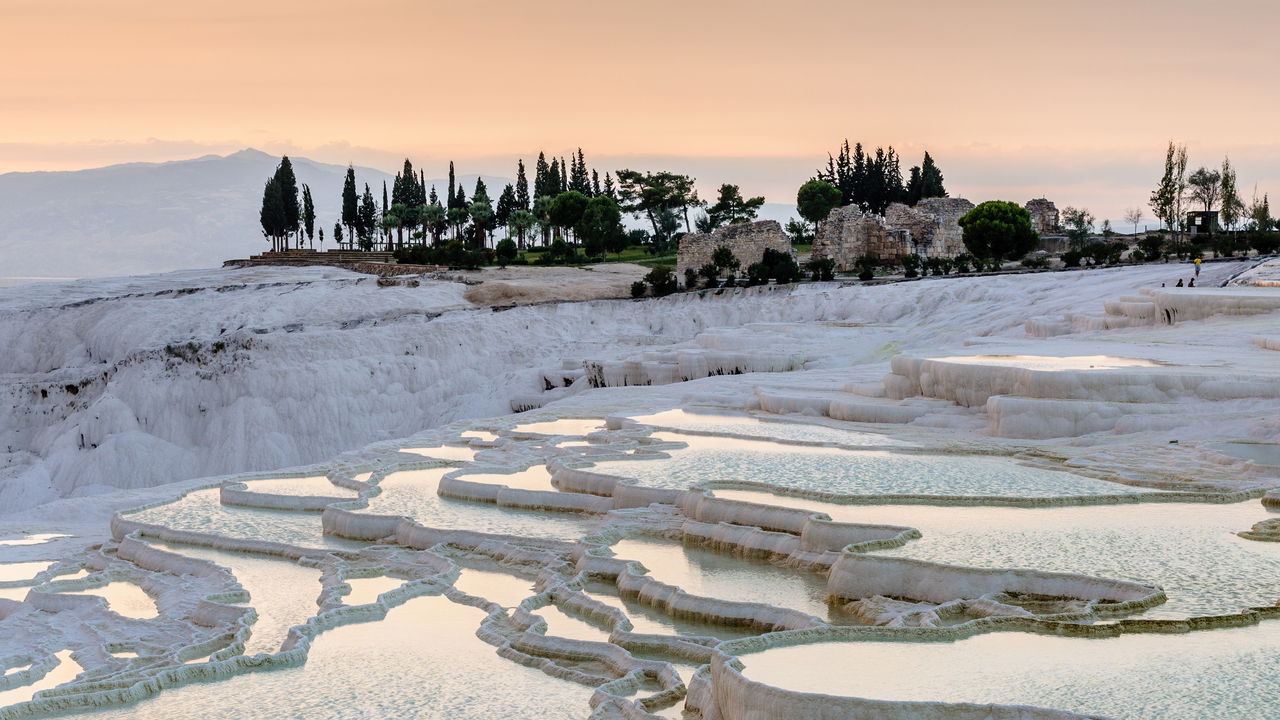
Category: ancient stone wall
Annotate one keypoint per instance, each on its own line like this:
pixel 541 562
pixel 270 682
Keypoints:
pixel 748 241
pixel 930 229
pixel 1044 215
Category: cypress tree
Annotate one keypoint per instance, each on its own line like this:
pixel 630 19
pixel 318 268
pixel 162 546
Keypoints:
pixel 522 187
pixel 542 178
pixel 595 183
pixel 350 202
pixel 288 194
pixel 506 205
pixel 368 219
pixel 309 215
pixel 272 214
pixel 609 190
pixel 452 186
pixel 553 178
pixel 385 205
pixel 578 178
pixel 481 193
pixel 433 198
pixel 564 177
pixel 913 186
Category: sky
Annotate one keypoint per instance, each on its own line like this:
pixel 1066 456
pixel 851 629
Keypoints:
pixel 1075 101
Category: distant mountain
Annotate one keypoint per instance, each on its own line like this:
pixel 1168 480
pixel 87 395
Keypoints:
pixel 152 217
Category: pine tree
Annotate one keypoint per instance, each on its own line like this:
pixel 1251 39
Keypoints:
pixel 609 190
pixel 913 186
pixel 506 205
pixel 522 187
pixel 481 192
pixel 930 179
pixel 578 178
pixel 368 219
pixel 564 177
pixel 595 183
pixel 350 203
pixel 385 205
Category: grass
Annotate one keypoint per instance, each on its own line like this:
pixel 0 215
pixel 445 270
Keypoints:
pixel 634 254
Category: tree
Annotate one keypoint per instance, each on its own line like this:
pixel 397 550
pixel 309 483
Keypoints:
pixel 288 195
pixel 930 180
pixel 731 209
pixel 451 198
pixel 816 199
pixel 1079 224
pixel 600 226
pixel 998 230
pixel 505 251
pixel 1260 212
pixel 579 179
pixel 1133 216
pixel 522 187
pixel 309 215
pixel 435 220
pixel 337 234
pixel 651 194
pixel 1167 199
pixel 799 232
pixel 1232 205
pixel 609 190
pixel 1205 186
pixel 350 204
pixel 506 205
pixel 542 179
pixel 272 215
pixel 724 259
pixel 521 222
pixel 367 221
pixel 480 213
pixel 567 209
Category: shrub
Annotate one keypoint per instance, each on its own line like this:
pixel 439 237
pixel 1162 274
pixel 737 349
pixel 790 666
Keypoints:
pixel 866 267
pixel 998 229
pixel 506 250
pixel 911 265
pixel 724 259
pixel 662 280
pixel 1071 258
pixel 637 289
pixel 962 262
pixel 822 269
pixel 1151 247
pixel 709 271
pixel 1035 263
pixel 690 278
pixel 1264 242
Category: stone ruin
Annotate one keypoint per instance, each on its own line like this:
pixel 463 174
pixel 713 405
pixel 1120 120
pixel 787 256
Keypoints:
pixel 931 229
pixel 1044 216
pixel 748 241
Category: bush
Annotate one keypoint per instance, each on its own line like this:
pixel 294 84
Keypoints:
pixel 822 269
pixel 662 280
pixel 637 289
pixel 1071 258
pixel 690 278
pixel 724 259
pixel 1263 241
pixel 866 267
pixel 711 272
pixel 1035 263
pixel 1151 247
pixel 999 230
pixel 506 250
pixel 962 262
pixel 911 266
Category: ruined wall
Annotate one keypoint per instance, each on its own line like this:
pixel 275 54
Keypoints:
pixel 1044 215
pixel 930 229
pixel 748 241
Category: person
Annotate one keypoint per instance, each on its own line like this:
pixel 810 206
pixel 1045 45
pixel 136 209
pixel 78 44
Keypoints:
pixel 1179 283
pixel 1161 284
pixel 1192 283
pixel 1197 267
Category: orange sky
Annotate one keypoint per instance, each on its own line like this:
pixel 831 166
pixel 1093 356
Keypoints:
pixel 1074 100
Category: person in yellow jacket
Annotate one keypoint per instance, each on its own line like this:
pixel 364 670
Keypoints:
pixel 1197 267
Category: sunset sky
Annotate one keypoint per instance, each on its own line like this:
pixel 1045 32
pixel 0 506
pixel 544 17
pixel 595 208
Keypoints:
pixel 1015 99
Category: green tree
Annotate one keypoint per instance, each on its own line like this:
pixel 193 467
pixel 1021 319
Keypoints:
pixel 451 198
pixel 288 196
pixel 481 214
pixel 1205 186
pixel 567 209
pixel 600 226
pixel 506 205
pixel 724 259
pixel 522 187
pixel 272 215
pixel 1168 197
pixel 505 251
pixel 542 179
pixel 521 222
pixel 999 230
pixel 435 220
pixel 650 194
pixel 799 232
pixel 579 179
pixel 1260 212
pixel 309 216
pixel 816 199
pixel 1232 205
pixel 731 208
pixel 930 180
pixel 542 213
pixel 1079 224
pixel 367 222
pixel 350 204
pixel 337 234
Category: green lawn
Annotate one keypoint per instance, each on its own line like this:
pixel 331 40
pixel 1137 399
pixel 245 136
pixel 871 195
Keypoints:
pixel 634 254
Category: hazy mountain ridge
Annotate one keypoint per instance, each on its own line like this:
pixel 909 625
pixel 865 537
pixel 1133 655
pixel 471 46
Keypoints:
pixel 154 217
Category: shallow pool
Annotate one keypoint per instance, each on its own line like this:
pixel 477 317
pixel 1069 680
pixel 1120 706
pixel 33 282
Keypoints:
pixel 563 426
pixel 1205 674
pixel 1189 549
pixel 422 661
pixel 412 493
pixel 765 428
pixel 201 511
pixel 126 599
pixel 455 453
pixel 65 671
pixel 853 472
pixel 315 485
